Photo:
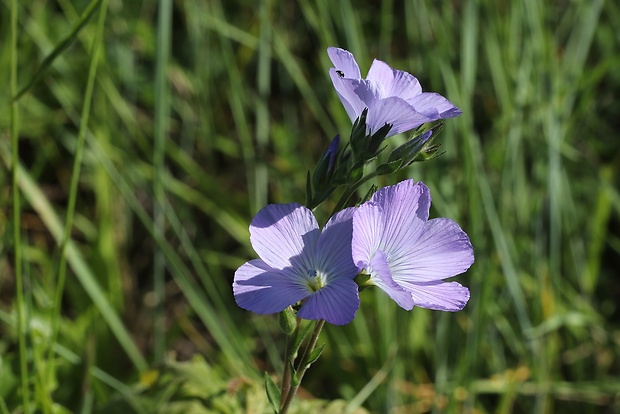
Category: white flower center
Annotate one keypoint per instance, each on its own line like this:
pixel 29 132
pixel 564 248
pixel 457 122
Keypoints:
pixel 314 280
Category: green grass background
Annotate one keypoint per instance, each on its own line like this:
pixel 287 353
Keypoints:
pixel 149 134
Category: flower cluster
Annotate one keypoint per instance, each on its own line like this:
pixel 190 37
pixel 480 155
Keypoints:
pixel 386 241
pixel 389 238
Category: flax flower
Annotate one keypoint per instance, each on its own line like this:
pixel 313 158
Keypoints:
pixel 407 255
pixel 392 96
pixel 299 263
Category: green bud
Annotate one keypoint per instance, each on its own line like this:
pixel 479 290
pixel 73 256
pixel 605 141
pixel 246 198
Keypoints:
pixel 326 166
pixel 288 321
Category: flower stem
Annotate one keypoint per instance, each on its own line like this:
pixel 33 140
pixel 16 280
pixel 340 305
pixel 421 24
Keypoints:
pixel 302 367
pixel 348 192
pixel 288 362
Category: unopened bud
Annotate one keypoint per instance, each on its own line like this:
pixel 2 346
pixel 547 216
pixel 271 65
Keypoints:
pixel 288 322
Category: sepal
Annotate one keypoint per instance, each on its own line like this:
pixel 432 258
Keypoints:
pixel 373 189
pixel 410 149
pixel 356 173
pixel 389 167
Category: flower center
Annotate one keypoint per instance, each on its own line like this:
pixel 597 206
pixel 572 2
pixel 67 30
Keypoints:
pixel 314 280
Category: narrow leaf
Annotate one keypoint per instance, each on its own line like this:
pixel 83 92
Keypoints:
pixel 315 354
pixel 295 378
pixel 273 393
pixel 300 338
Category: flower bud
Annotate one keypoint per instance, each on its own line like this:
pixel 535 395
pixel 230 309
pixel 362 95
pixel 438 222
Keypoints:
pixel 288 321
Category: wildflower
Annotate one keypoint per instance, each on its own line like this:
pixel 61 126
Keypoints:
pixel 298 262
pixel 406 254
pixel 392 96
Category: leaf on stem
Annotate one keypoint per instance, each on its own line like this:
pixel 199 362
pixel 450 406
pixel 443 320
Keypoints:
pixel 294 378
pixel 315 354
pixel 300 338
pixel 273 393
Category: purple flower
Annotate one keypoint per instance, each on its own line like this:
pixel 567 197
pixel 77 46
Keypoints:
pixel 406 254
pixel 298 262
pixel 391 96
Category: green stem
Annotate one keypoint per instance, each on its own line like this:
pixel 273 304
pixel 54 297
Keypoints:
pixel 289 359
pixel 75 175
pixel 19 281
pixel 303 366
pixel 349 191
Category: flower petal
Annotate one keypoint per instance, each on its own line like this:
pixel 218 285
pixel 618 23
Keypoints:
pixel 368 91
pixel 449 296
pixel 346 92
pixel 442 250
pixel 285 235
pixel 333 253
pixel 394 82
pixel 382 277
pixel 261 289
pixel 344 61
pixel 336 302
pixel 405 211
pixel 367 233
pixel 434 106
pixel 395 111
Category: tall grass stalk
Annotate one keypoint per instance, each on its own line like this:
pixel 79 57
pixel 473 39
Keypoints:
pixel 263 78
pixel 75 176
pixel 19 282
pixel 162 110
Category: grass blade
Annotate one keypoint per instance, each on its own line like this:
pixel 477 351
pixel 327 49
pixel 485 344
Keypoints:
pixel 19 280
pixel 61 47
pixel 162 109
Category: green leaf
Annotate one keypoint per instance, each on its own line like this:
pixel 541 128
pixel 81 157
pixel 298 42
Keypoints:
pixel 294 378
pixel 302 335
pixel 315 354
pixel 273 393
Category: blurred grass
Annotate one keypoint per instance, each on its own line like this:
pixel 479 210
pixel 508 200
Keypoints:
pixel 530 172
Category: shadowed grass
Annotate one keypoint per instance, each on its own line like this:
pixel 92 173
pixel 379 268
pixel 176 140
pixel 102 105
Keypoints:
pixel 75 175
